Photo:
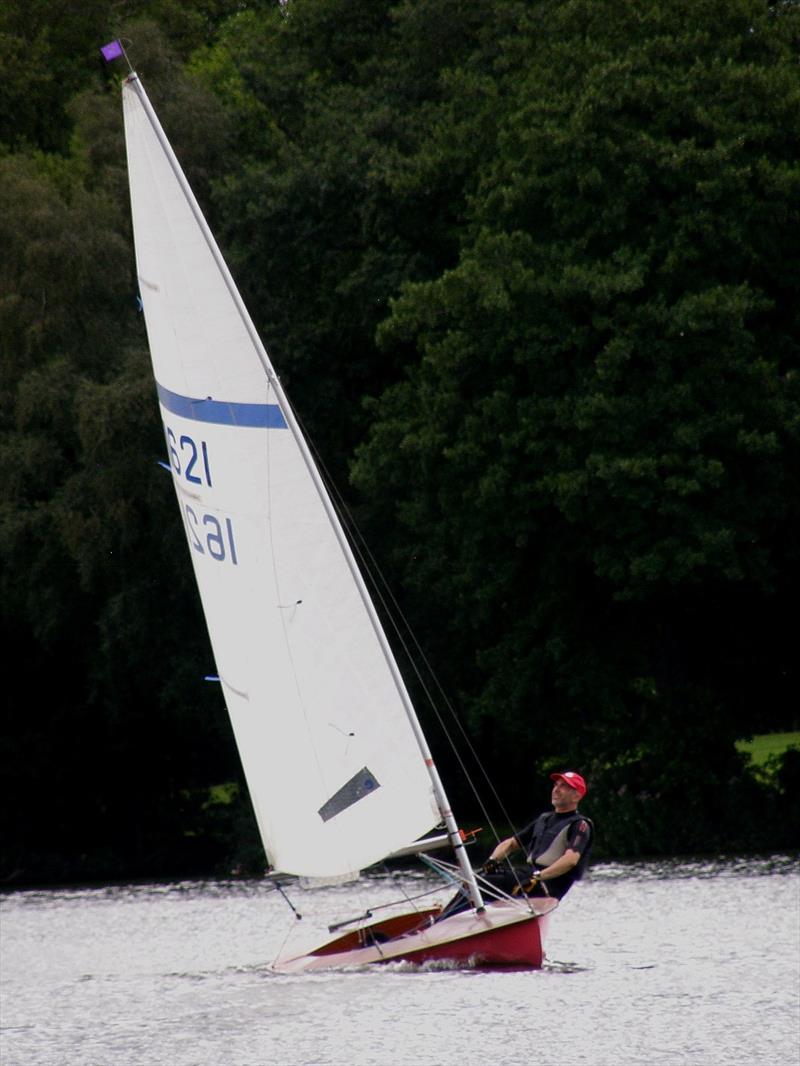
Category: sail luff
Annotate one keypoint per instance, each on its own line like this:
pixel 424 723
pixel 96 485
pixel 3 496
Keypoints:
pixel 135 83
pixel 324 499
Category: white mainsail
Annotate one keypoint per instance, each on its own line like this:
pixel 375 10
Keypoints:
pixel 334 769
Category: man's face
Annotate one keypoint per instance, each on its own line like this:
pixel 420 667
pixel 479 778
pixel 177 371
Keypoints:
pixel 564 797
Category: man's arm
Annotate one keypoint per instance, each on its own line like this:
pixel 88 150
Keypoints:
pixel 562 865
pixel 504 849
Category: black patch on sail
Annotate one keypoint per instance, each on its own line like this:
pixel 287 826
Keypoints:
pixel 359 786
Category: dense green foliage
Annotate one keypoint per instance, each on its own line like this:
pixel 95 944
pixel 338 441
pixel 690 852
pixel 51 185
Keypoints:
pixel 530 273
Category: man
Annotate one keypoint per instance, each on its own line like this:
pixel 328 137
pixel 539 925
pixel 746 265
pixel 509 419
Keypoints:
pixel 556 845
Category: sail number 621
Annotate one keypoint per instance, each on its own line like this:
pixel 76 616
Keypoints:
pixel 189 460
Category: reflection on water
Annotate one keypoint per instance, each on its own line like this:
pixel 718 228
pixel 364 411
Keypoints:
pixel 720 866
pixel 659 963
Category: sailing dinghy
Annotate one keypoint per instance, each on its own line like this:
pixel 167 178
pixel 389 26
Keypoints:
pixel 338 768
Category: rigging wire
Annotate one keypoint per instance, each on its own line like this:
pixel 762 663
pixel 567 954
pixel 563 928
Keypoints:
pixel 393 612
pixel 294 909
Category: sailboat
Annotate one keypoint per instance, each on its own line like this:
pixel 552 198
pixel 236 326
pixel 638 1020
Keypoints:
pixel 338 768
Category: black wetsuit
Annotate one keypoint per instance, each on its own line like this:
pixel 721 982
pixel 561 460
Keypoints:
pixel 546 839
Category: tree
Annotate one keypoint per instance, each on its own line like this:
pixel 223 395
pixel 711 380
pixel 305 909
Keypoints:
pixel 541 262
pixel 593 470
pixel 97 777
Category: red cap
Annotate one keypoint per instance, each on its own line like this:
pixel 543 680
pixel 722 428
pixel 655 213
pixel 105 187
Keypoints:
pixel 569 777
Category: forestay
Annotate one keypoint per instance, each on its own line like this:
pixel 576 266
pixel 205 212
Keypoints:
pixel 334 771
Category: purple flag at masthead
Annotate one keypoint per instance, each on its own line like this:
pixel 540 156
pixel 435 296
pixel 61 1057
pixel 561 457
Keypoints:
pixel 112 50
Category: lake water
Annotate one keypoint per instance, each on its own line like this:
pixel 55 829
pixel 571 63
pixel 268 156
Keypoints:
pixel 665 963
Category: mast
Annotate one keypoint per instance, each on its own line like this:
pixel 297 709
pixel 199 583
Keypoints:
pixel 468 874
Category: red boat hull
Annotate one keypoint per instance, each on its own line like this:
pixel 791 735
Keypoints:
pixel 505 934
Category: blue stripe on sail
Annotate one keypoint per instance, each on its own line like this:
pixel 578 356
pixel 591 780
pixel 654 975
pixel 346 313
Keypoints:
pixel 223 413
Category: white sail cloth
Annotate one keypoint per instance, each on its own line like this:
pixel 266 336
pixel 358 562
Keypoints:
pixel 334 771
